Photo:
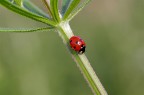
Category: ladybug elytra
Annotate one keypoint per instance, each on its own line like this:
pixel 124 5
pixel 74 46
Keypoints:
pixel 77 44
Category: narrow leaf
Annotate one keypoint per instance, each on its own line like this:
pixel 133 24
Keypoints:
pixel 23 12
pixel 11 1
pixel 77 10
pixel 65 5
pixel 27 30
pixel 47 6
pixel 72 6
pixel 54 10
pixel 33 8
pixel 18 2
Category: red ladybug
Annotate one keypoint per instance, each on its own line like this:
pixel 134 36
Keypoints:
pixel 77 44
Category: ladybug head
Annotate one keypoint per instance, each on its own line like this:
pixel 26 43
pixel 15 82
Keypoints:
pixel 82 50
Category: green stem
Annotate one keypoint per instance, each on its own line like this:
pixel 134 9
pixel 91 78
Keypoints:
pixel 82 61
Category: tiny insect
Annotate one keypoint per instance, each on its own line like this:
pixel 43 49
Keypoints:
pixel 77 44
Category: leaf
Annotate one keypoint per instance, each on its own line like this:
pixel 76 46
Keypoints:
pixel 30 7
pixel 33 8
pixel 54 10
pixel 71 7
pixel 23 12
pixel 65 5
pixel 26 30
pixel 47 6
pixel 77 10
pixel 18 2
pixel 11 1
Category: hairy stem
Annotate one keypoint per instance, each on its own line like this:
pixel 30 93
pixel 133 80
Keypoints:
pixel 82 61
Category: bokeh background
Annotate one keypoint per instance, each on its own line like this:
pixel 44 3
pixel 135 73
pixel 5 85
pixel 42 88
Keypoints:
pixel 39 63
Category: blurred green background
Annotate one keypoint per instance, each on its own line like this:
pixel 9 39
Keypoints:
pixel 39 63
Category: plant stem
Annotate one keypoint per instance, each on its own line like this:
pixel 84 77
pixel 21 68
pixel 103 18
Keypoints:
pixel 82 62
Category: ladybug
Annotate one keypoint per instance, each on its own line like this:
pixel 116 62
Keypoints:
pixel 77 44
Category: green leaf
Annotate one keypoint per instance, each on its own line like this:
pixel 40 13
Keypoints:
pixel 24 12
pixel 65 5
pixel 33 8
pixel 47 6
pixel 30 7
pixel 11 1
pixel 71 7
pixel 54 10
pixel 18 2
pixel 27 30
pixel 78 9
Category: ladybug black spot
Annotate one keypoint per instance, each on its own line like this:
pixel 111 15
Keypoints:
pixel 82 45
pixel 76 42
pixel 70 41
pixel 74 47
